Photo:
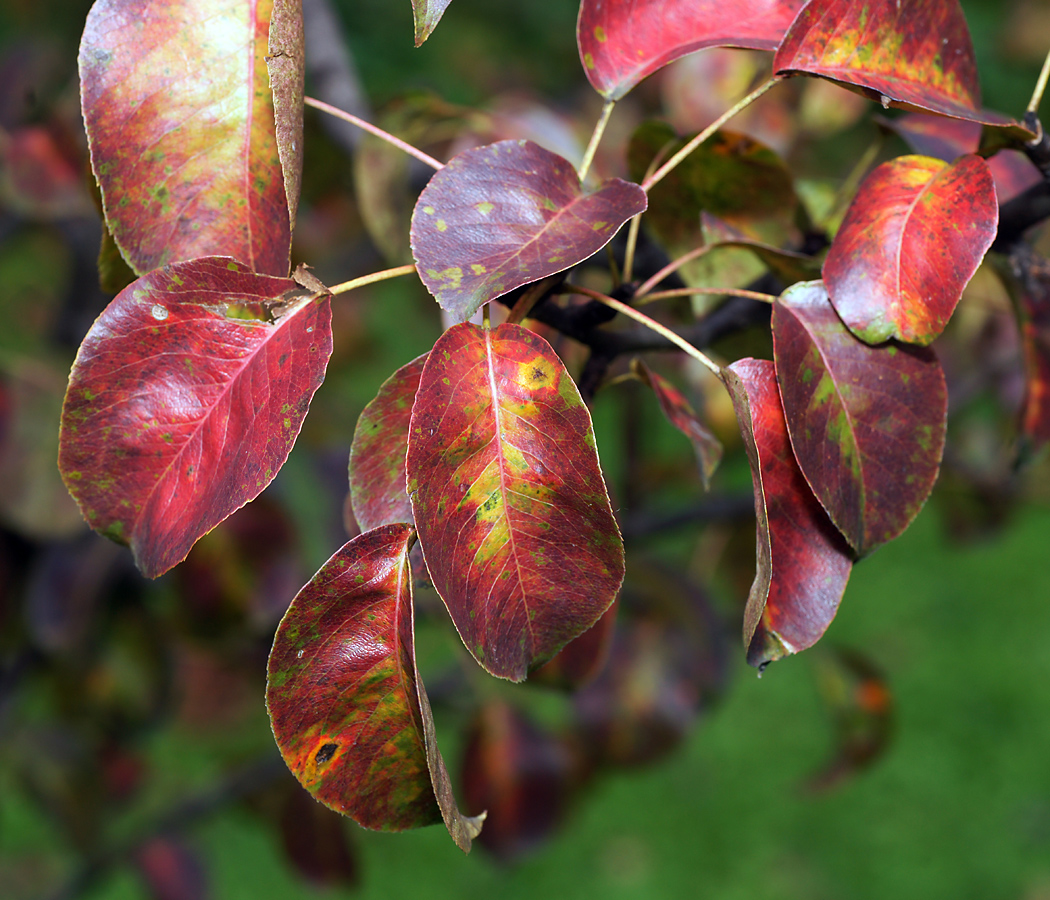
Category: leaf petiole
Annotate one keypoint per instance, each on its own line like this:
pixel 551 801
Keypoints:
pixel 652 324
pixel 386 274
pixel 374 129
pixel 596 136
pixel 717 291
pixel 1040 86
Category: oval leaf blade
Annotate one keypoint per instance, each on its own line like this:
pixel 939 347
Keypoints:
pixel 803 561
pixel 182 407
pixel 180 123
pixel 910 242
pixel 914 54
pixel 507 214
pixel 508 497
pixel 377 457
pixel 623 41
pixel 347 707
pixel 866 423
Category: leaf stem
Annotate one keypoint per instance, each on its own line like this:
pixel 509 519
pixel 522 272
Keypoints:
pixel 628 252
pixel 846 191
pixel 596 136
pixel 1040 86
pixel 652 324
pixel 374 129
pixel 672 267
pixel 659 174
pixel 354 283
pixel 717 291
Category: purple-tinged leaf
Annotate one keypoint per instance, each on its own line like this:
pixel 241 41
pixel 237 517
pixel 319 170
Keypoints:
pixel 348 710
pixel 180 122
pixel 377 456
pixel 912 54
pixel 680 413
pixel 803 563
pixel 910 242
pixel 867 424
pixel 426 14
pixel 507 214
pixel 185 399
pixel 508 496
pixel 623 41
pixel 286 64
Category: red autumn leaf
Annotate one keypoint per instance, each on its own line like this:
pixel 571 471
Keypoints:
pixel 377 457
pixel 426 14
pixel 579 661
pixel 913 54
pixel 1031 295
pixel 680 413
pixel 286 65
pixel 910 242
pixel 185 400
pixel 507 214
pixel 803 561
pixel 623 41
pixel 348 710
pixel 867 423
pixel 508 497
pixel 180 121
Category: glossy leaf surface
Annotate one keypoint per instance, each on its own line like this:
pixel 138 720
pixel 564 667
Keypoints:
pixel 348 710
pixel 426 14
pixel 185 400
pixel 180 121
pixel 914 54
pixel 910 242
pixel 623 41
pixel 803 561
pixel 377 457
pixel 867 424
pixel 680 413
pixel 286 65
pixel 508 497
pixel 507 214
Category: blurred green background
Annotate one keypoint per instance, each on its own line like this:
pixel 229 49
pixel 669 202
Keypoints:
pixel 157 694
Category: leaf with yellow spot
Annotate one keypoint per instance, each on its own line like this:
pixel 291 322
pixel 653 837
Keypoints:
pixel 508 497
pixel 507 214
pixel 347 706
pixel 867 424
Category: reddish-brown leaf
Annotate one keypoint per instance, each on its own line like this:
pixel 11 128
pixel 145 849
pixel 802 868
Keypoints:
pixel 508 497
pixel 579 661
pixel 179 117
pixel 507 214
pixel 913 54
pixel 315 841
pixel 348 710
pixel 286 65
pixel 185 400
pixel 623 41
pixel 377 456
pixel 1031 295
pixel 867 423
pixel 803 561
pixel 680 413
pixel 426 14
pixel 910 242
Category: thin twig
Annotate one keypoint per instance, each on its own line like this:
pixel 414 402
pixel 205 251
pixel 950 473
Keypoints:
pixel 628 252
pixel 374 129
pixel 371 279
pixel 651 324
pixel 659 174
pixel 844 195
pixel 717 291
pixel 596 136
pixel 673 266
pixel 1040 86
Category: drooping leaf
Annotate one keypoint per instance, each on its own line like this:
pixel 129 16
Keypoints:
pixel 912 54
pixel 680 413
pixel 507 214
pixel 286 65
pixel 867 424
pixel 180 122
pixel 185 400
pixel 508 497
pixel 427 13
pixel 579 661
pixel 623 41
pixel 377 456
pixel 522 774
pixel 348 710
pixel 1031 297
pixel 803 561
pixel 911 240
